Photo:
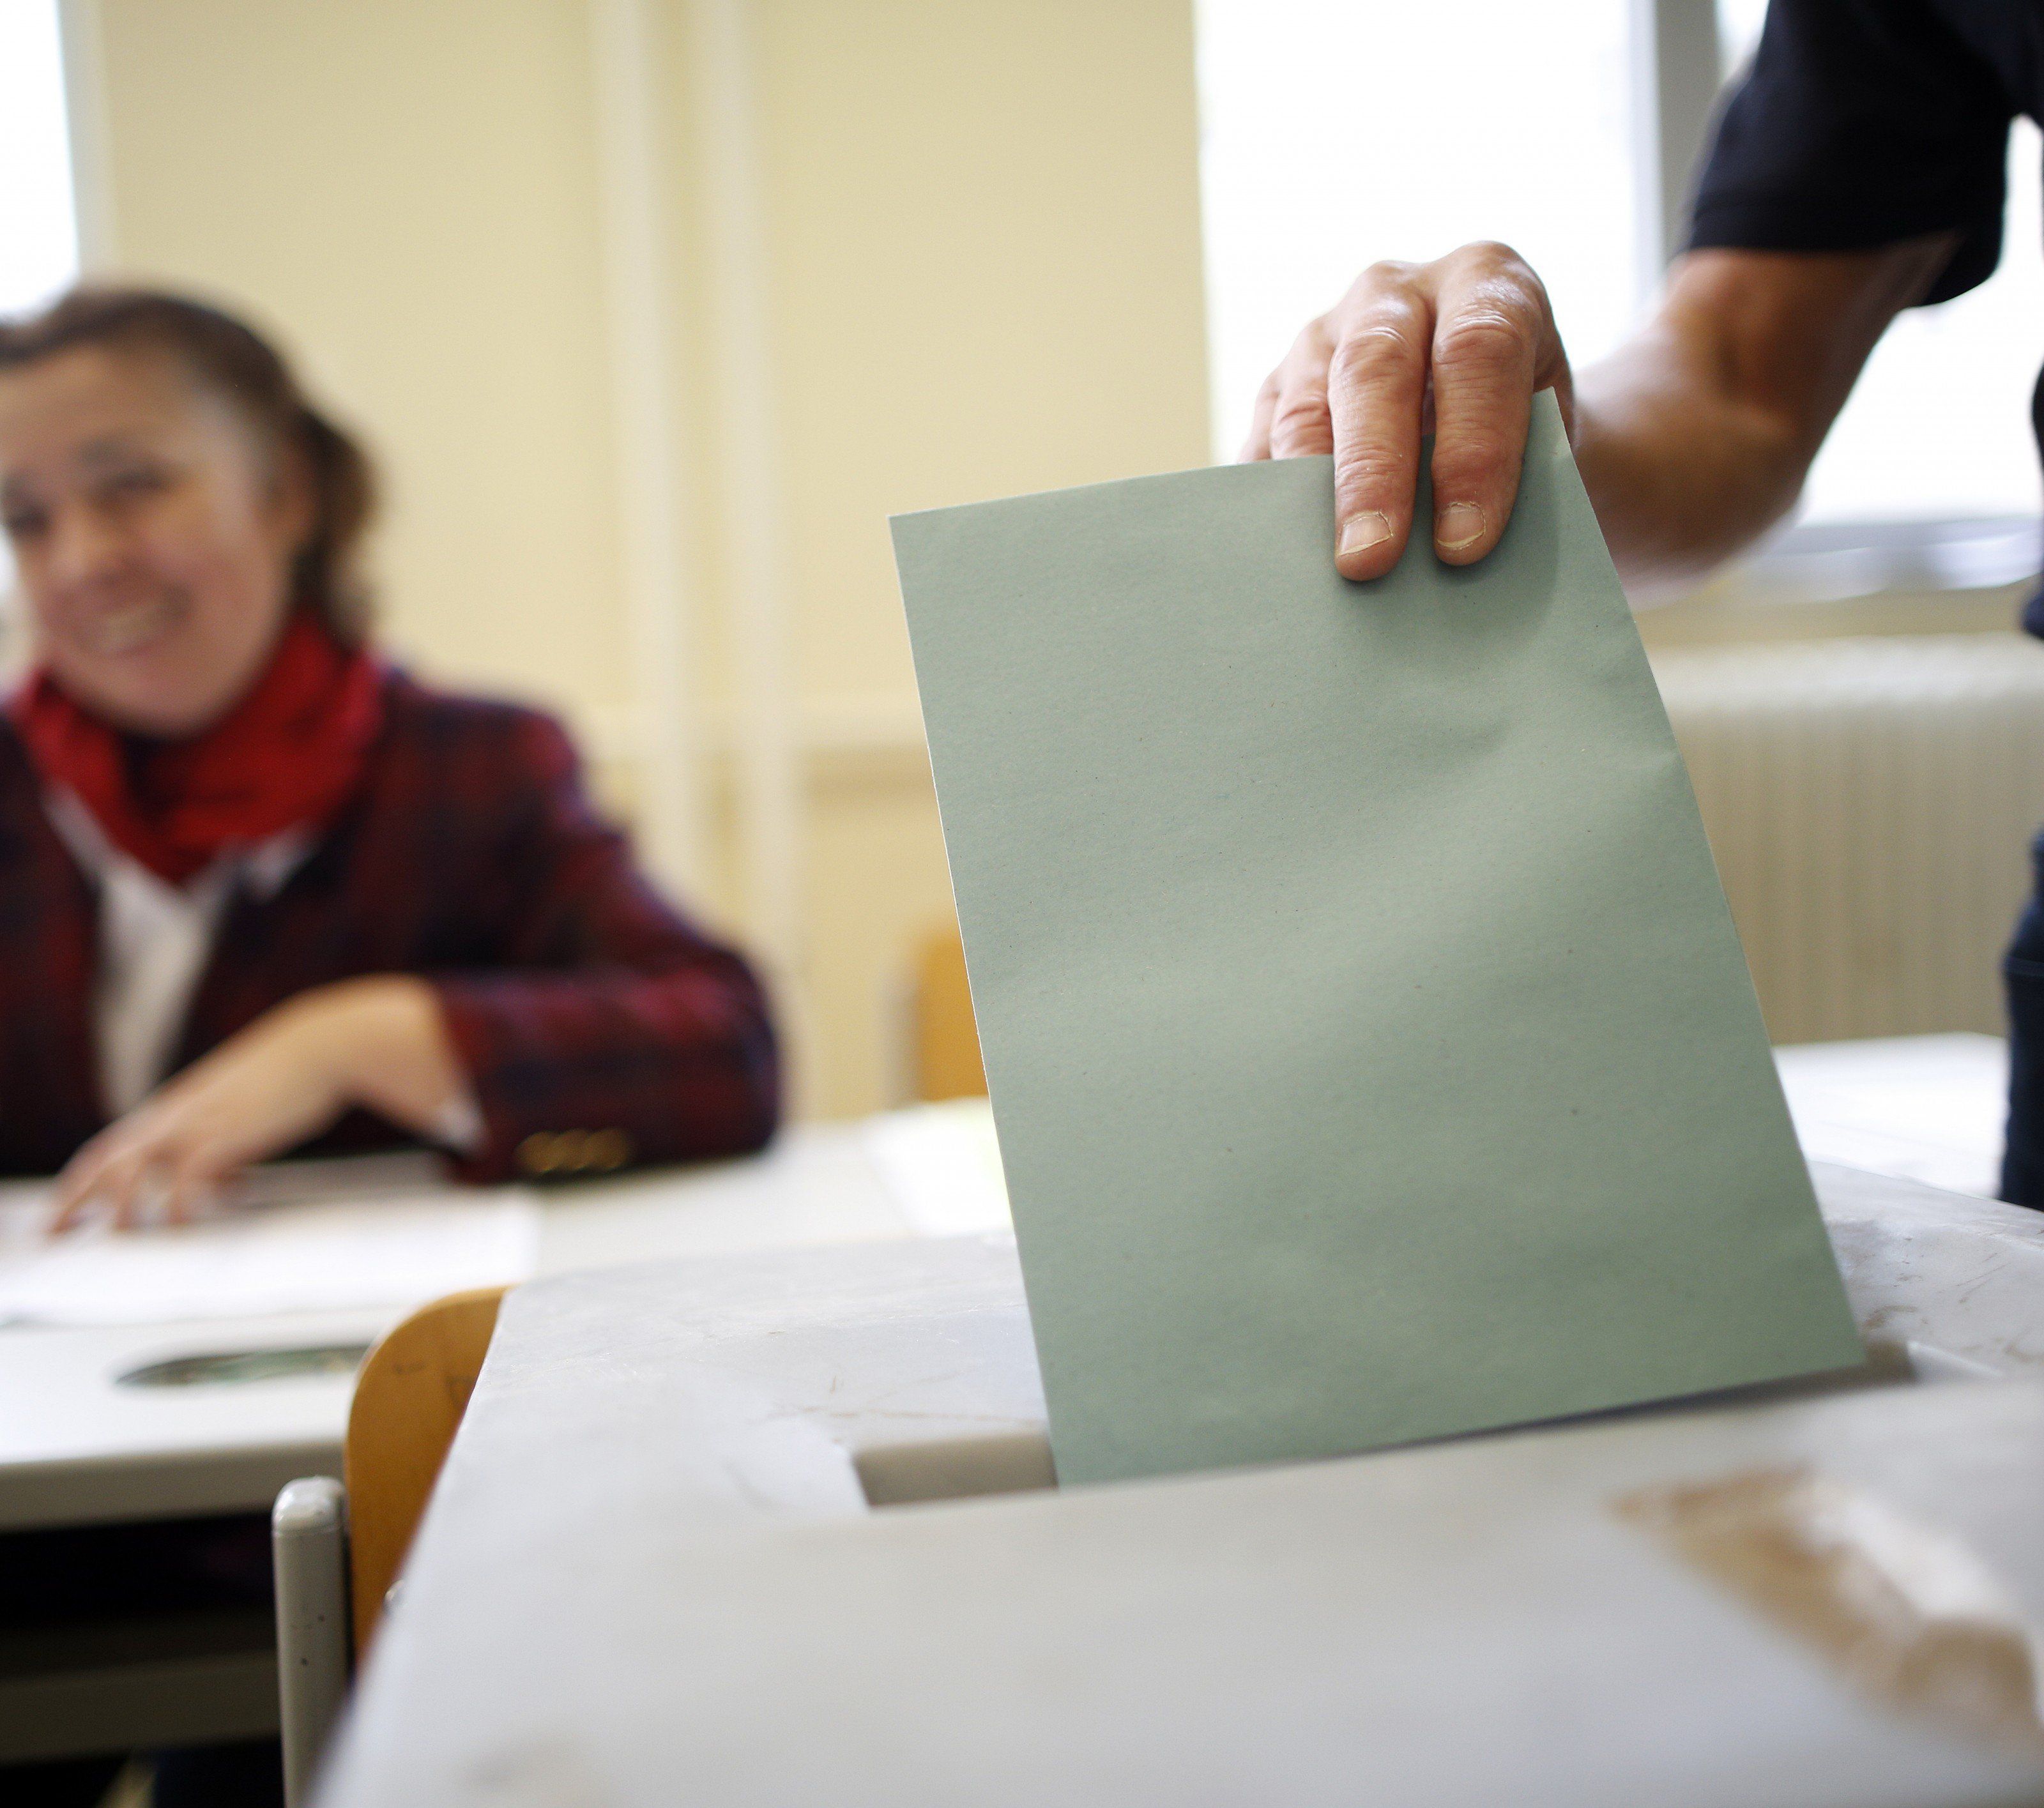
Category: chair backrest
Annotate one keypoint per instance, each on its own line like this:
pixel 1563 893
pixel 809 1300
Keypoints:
pixel 948 1061
pixel 408 1400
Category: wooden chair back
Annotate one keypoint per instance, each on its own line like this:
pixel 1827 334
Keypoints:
pixel 409 1399
pixel 946 1040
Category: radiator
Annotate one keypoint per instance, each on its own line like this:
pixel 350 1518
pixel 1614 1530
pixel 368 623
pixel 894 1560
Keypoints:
pixel 1870 804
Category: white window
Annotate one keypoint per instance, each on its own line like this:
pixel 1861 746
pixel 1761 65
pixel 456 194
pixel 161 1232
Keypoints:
pixel 1333 132
pixel 38 220
pixel 38 217
pixel 1337 132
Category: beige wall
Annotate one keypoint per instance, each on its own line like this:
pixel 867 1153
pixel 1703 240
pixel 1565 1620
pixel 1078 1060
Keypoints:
pixel 964 236
pixel 404 189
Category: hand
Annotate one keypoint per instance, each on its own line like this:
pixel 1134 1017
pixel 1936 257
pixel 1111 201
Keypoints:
pixel 377 1041
pixel 1463 343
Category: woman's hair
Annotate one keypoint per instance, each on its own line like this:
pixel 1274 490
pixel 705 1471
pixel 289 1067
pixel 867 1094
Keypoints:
pixel 230 359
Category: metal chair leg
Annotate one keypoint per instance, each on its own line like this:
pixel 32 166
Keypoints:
pixel 308 1536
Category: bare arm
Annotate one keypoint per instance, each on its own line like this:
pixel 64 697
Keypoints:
pixel 1696 437
pixel 378 1041
pixel 1693 438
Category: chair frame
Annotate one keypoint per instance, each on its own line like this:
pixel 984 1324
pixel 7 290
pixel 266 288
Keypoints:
pixel 338 1550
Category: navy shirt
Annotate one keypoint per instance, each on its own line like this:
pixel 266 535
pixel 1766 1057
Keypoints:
pixel 1864 122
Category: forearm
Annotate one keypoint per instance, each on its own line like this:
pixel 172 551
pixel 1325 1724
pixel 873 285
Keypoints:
pixel 1683 474
pixel 378 1042
pixel 1696 437
pixel 384 1043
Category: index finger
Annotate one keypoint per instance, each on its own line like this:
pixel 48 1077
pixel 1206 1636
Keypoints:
pixel 76 1188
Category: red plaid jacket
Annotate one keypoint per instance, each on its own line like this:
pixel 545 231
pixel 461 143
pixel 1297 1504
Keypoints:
pixel 597 1026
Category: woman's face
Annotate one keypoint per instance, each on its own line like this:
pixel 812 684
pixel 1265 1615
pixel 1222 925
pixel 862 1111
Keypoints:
pixel 153 535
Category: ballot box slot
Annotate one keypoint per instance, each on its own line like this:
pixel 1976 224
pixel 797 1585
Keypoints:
pixel 954 1468
pixel 960 1468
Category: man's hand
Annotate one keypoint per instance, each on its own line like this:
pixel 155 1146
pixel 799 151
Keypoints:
pixel 1693 438
pixel 377 1041
pixel 1460 344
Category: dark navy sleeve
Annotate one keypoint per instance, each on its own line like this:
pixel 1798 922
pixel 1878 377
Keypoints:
pixel 1860 123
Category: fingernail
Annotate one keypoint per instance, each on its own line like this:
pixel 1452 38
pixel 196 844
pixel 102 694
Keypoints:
pixel 1460 525
pixel 1360 532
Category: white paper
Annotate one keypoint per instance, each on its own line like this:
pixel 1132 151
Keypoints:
pixel 333 1244
pixel 943 1165
pixel 1927 1108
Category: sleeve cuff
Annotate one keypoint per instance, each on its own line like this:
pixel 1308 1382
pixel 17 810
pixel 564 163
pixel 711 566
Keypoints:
pixel 459 1127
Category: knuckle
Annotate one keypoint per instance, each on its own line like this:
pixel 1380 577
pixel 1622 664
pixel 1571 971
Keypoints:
pixel 1387 282
pixel 1498 268
pixel 1493 263
pixel 1387 273
pixel 1401 311
pixel 1488 253
pixel 1489 333
pixel 1384 344
pixel 1308 350
pixel 1299 408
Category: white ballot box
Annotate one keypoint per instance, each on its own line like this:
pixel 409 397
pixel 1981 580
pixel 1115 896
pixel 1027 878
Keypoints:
pixel 780 1528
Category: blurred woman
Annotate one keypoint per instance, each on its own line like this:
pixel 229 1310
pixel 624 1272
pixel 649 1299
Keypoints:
pixel 259 889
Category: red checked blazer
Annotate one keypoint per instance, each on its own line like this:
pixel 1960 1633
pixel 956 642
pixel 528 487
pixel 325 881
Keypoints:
pixel 597 1026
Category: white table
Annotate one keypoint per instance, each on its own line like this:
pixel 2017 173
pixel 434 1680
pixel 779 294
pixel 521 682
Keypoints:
pixel 651 1571
pixel 76 1446
pixel 79 1446
pixel 1927 1108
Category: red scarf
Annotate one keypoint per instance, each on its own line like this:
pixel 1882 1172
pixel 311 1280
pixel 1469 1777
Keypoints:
pixel 288 755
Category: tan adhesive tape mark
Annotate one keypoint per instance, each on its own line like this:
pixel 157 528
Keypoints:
pixel 1904 1610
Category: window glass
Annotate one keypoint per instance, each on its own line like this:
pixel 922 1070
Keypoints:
pixel 1335 133
pixel 1939 423
pixel 38 226
pixel 38 219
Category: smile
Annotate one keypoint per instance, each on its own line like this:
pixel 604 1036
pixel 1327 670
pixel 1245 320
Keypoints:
pixel 131 628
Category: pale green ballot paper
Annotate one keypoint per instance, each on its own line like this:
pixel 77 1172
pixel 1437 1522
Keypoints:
pixel 1371 1050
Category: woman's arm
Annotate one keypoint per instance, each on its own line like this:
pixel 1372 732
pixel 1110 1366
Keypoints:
pixel 596 1028
pixel 378 1042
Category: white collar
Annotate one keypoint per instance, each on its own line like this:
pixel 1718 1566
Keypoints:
pixel 260 867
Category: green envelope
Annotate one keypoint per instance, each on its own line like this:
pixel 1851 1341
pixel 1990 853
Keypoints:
pixel 1371 1050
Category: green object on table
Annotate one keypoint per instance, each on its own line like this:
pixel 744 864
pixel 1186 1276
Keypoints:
pixel 216 1368
pixel 1370 1044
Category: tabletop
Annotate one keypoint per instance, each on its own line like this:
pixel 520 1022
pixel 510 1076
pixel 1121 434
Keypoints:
pixel 80 1444
pixel 107 1422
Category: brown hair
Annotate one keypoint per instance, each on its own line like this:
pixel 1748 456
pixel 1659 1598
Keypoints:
pixel 233 360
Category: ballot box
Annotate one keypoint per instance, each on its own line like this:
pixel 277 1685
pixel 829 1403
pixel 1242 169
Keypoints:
pixel 784 1528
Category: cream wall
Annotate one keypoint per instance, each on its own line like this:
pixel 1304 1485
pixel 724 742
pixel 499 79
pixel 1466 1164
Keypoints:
pixel 918 251
pixel 404 189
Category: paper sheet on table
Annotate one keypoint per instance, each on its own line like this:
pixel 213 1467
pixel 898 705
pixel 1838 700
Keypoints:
pixel 1371 1051
pixel 1928 1108
pixel 325 1249
pixel 942 1165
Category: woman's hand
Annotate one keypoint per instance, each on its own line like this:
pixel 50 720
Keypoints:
pixel 1464 342
pixel 378 1042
